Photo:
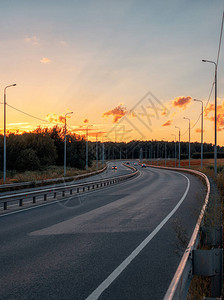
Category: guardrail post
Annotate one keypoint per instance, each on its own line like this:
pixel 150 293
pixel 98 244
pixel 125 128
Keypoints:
pixel 209 263
pixel 83 189
pixel 34 194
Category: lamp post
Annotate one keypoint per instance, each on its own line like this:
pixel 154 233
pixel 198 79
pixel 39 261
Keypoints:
pixel 87 146
pixel 179 144
pixel 215 146
pixel 175 150
pixel 202 111
pixel 102 152
pixel 165 151
pixel 96 152
pixel 65 144
pixel 4 154
pixel 189 140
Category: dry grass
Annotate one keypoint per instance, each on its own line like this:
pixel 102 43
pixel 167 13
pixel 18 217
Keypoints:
pixel 195 163
pixel 48 173
pixel 199 288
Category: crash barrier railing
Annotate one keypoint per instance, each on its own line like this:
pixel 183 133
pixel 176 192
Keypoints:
pixel 64 190
pixel 196 261
pixel 49 181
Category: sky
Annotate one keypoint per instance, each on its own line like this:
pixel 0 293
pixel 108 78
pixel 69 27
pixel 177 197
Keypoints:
pixel 126 69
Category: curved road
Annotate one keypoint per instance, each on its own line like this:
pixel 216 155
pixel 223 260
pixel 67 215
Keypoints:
pixel 121 242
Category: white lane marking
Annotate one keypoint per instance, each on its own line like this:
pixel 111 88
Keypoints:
pixel 107 282
pixel 66 199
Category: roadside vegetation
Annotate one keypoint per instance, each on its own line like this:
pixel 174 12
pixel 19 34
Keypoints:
pixel 40 155
pixel 201 285
pixel 48 173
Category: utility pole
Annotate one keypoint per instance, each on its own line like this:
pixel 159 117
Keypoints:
pixel 65 144
pixel 202 112
pixel 4 152
pixel 179 144
pixel 189 140
pixel 215 146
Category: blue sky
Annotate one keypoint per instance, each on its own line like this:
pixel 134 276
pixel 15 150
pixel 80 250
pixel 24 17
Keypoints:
pixel 90 56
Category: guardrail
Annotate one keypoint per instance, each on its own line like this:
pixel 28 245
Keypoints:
pixel 49 181
pixel 198 262
pixel 64 190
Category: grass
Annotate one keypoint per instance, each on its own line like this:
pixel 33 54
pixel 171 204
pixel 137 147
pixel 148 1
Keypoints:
pixel 48 173
pixel 195 163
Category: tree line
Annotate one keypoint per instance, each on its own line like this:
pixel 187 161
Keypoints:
pixel 159 149
pixel 44 147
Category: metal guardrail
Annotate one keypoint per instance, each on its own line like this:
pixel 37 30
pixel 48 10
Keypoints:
pixel 49 181
pixel 81 187
pixel 196 261
pixel 179 286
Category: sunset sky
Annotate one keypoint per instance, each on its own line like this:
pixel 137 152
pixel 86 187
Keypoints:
pixel 128 68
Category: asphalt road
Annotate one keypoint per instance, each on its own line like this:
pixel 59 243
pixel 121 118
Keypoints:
pixel 121 242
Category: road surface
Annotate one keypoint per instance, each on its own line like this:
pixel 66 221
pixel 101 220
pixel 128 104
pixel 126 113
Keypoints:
pixel 121 242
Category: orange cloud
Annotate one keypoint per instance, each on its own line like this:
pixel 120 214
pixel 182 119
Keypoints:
pixel 168 123
pixel 45 60
pixel 209 115
pixel 181 102
pixel 118 112
pixel 56 119
pixel 86 121
pixel 164 112
pixel 198 130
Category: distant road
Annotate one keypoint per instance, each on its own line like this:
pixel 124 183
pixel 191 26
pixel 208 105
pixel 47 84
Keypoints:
pixel 62 251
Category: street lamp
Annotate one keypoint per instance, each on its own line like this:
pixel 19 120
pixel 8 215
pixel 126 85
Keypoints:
pixel 4 155
pixel 102 149
pixel 175 150
pixel 202 110
pixel 96 152
pixel 65 144
pixel 165 151
pixel 189 140
pixel 215 146
pixel 87 146
pixel 102 152
pixel 179 144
